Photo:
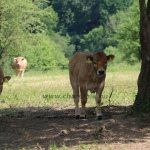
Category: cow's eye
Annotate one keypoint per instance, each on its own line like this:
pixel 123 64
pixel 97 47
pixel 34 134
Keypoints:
pixel 105 62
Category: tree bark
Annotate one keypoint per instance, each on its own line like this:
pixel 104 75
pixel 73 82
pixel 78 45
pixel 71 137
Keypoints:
pixel 142 100
pixel 1 49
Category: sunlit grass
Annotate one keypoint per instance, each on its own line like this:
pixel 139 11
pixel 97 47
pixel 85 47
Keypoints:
pixel 52 89
pixel 93 146
pixel 122 86
pixel 31 91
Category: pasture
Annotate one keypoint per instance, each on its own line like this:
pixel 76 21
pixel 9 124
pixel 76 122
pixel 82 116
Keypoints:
pixel 37 112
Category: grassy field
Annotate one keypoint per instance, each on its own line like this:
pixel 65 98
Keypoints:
pixel 52 89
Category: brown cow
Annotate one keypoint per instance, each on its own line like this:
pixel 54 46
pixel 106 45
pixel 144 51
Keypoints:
pixel 19 64
pixel 3 79
pixel 88 72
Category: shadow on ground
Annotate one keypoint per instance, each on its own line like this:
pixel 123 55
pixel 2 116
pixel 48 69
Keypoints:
pixel 38 128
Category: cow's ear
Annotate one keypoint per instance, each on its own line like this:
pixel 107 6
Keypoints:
pixel 7 78
pixel 110 58
pixel 89 59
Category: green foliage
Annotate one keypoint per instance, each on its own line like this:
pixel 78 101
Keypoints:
pixel 34 29
pixel 18 17
pixel 95 40
pixel 45 55
pixel 52 146
pixel 122 32
pixel 50 19
pixel 116 52
pixel 80 17
pixel 64 43
pixel 26 30
pixel 126 28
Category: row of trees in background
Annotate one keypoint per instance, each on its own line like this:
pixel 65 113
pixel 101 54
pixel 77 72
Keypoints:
pixel 102 25
pixel 49 32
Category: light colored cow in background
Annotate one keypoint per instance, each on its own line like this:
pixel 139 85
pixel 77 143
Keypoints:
pixel 3 79
pixel 87 72
pixel 19 65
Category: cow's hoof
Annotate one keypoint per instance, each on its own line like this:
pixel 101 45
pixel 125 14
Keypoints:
pixel 83 117
pixel 99 117
pixel 77 116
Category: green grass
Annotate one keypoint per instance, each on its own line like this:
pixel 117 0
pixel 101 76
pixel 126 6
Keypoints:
pixel 122 67
pixel 37 88
pixel 94 146
pixel 52 89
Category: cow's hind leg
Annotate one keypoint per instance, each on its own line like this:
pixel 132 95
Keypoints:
pixel 75 88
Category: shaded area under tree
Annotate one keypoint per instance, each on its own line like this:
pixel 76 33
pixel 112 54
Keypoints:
pixel 41 127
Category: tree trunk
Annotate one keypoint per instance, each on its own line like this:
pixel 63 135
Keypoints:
pixel 142 100
pixel 1 49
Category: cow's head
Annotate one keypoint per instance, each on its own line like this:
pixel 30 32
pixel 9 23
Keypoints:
pixel 99 61
pixel 2 80
pixel 18 61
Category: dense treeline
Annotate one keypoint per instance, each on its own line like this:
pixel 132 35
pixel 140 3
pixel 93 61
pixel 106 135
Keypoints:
pixel 80 17
pixel 48 32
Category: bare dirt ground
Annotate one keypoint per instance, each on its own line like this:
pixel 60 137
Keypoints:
pixel 38 128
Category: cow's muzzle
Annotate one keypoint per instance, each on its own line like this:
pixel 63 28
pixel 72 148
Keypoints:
pixel 18 65
pixel 101 72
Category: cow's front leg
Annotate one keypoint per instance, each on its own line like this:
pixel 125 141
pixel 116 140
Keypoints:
pixel 98 101
pixel 22 73
pixel 83 102
pixel 98 106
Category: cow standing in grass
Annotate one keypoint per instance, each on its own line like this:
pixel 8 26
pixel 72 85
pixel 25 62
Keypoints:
pixel 88 72
pixel 19 65
pixel 3 79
